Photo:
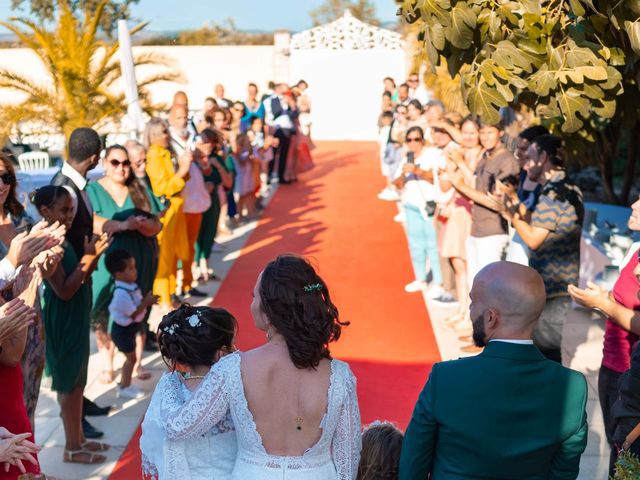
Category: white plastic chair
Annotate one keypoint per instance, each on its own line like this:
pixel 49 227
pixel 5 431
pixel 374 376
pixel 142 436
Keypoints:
pixel 33 161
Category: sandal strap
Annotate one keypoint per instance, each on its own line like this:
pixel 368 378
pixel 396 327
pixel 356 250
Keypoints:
pixel 70 454
pixel 102 447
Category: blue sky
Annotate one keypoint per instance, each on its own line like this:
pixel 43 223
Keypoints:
pixel 248 14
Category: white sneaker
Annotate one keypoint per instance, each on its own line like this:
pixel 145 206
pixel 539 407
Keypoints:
pixel 415 286
pixel 401 217
pixel 389 195
pixel 436 291
pixel 131 392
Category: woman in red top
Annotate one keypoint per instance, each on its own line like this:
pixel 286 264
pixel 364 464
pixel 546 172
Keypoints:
pixel 13 412
pixel 621 334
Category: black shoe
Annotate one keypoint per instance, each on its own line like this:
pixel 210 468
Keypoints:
pixel 194 292
pixel 90 431
pixel 90 409
pixel 282 181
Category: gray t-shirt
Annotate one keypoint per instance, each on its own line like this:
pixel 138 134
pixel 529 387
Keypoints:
pixel 493 166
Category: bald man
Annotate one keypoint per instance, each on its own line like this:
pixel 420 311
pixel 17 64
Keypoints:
pixel 507 413
pixel 180 98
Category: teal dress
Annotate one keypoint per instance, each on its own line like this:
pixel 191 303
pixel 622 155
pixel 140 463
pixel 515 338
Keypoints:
pixel 67 327
pixel 209 225
pixel 144 250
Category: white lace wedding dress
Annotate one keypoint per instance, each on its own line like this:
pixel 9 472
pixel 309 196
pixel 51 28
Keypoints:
pixel 211 455
pixel 334 457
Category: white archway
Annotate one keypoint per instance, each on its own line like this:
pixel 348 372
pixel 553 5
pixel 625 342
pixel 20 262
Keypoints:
pixel 344 63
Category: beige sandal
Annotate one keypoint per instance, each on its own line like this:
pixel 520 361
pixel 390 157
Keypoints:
pixel 90 458
pixel 92 446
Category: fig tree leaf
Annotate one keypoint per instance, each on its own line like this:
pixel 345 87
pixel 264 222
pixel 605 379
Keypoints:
pixel 462 23
pixel 543 81
pixel 571 104
pixel 633 31
pixel 485 101
pixel 606 108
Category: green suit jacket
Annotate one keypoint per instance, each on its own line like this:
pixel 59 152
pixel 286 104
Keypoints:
pixel 507 413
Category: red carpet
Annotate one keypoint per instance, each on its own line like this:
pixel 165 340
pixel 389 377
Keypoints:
pixel 333 216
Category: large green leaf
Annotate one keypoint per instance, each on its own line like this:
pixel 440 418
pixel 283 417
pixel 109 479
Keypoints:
pixel 508 55
pixel 439 8
pixel 579 56
pixel 460 30
pixel 633 30
pixel 571 104
pixel 577 8
pixel 485 101
pixel 543 81
pixel 593 73
pixel 436 34
pixel 606 108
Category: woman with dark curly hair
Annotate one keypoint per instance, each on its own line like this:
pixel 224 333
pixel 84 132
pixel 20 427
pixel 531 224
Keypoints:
pixel 294 408
pixel 191 339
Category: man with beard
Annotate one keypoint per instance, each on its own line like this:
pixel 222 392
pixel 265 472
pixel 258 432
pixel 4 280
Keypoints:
pixel 507 412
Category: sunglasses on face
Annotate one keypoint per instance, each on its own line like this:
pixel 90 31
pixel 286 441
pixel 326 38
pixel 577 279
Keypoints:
pixel 115 163
pixel 414 139
pixel 8 178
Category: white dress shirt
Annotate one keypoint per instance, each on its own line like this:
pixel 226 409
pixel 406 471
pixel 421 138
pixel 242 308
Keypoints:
pixel 508 340
pixel 80 182
pixel 126 299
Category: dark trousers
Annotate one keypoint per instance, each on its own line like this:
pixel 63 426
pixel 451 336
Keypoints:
pixel 281 153
pixel 608 393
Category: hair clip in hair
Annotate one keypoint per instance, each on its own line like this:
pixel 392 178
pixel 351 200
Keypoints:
pixel 171 329
pixel 194 320
pixel 312 287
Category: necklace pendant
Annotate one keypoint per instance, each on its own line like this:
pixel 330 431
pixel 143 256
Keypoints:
pixel 299 423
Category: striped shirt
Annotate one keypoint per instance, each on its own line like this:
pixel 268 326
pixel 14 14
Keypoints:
pixel 561 211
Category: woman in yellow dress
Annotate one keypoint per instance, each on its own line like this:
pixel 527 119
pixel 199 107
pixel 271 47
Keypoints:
pixel 167 176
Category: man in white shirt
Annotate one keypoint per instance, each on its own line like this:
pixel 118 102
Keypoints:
pixel 220 98
pixel 195 195
pixel 417 90
pixel 280 115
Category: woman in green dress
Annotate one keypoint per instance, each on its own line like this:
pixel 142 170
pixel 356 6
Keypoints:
pixel 215 174
pixel 119 197
pixel 66 302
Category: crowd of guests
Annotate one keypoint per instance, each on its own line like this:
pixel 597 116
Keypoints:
pixel 467 201
pixel 106 251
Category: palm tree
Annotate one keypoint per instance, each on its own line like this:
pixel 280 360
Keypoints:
pixel 82 72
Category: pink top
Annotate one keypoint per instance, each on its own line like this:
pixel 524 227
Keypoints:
pixel 618 342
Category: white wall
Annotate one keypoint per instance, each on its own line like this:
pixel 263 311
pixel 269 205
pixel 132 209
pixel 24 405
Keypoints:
pixel 345 85
pixel 202 67
pixel 345 88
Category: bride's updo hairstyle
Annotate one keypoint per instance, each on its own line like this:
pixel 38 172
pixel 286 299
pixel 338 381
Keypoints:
pixel 297 303
pixel 193 336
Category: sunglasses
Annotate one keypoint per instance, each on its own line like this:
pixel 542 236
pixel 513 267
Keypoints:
pixel 115 163
pixel 8 178
pixel 414 139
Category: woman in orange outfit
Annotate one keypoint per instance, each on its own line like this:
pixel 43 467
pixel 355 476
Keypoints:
pixel 167 180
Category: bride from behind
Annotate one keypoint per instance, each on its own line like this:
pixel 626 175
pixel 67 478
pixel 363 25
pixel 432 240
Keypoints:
pixel 294 408
pixel 191 339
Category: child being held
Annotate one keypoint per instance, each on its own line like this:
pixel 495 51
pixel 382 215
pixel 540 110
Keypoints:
pixel 127 310
pixel 380 456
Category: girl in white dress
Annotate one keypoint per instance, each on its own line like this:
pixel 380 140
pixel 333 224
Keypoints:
pixel 294 408
pixel 191 339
